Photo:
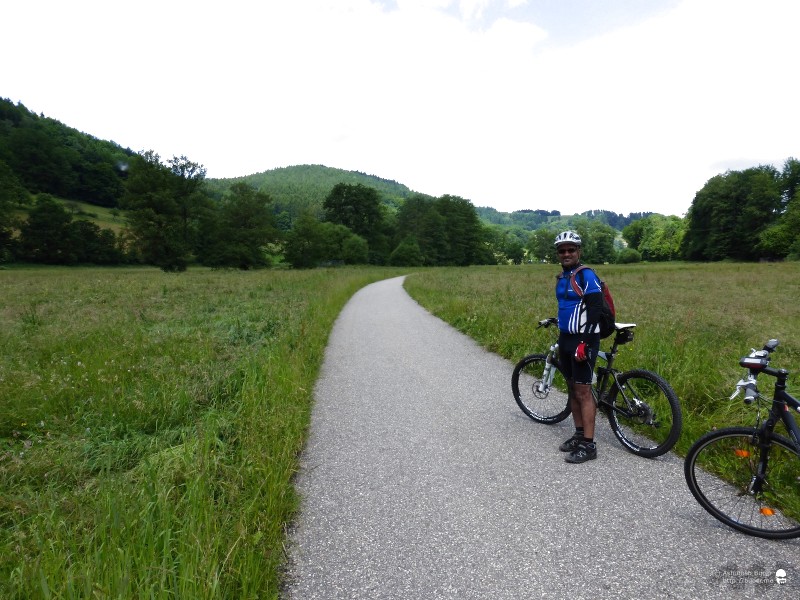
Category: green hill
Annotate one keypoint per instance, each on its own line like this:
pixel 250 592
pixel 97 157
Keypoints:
pixel 296 188
pixel 42 155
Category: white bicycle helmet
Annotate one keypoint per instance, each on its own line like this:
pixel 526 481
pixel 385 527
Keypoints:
pixel 567 237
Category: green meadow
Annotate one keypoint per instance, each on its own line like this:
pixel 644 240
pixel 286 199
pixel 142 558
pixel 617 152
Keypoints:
pixel 150 426
pixel 150 423
pixel 693 323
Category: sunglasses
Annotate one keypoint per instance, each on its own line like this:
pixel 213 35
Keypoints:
pixel 572 250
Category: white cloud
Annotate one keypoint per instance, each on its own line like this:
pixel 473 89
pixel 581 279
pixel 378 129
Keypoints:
pixel 636 119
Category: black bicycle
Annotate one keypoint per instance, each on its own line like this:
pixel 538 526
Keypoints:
pixel 749 477
pixel 642 408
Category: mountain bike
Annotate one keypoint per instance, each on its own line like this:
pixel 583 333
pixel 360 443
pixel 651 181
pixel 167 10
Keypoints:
pixel 642 408
pixel 749 477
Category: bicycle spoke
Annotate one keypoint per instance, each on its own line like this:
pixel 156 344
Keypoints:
pixel 645 414
pixel 543 400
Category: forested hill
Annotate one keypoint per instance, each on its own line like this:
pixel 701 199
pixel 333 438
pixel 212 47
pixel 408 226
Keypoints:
pixel 753 214
pixel 296 188
pixel 39 154
pixel 533 219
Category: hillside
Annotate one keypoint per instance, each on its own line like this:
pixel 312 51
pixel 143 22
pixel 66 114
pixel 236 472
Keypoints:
pixel 296 188
pixel 42 155
pixel 531 220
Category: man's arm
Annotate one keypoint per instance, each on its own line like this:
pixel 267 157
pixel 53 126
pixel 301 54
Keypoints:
pixel 594 306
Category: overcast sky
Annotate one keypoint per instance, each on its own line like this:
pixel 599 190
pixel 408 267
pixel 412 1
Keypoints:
pixel 570 105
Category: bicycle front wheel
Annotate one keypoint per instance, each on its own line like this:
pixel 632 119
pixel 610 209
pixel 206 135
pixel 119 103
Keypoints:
pixel 644 413
pixel 722 471
pixel 543 399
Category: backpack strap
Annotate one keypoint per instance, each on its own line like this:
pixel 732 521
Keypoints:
pixel 575 287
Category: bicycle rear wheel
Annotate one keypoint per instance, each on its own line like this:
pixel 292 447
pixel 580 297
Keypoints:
pixel 733 455
pixel 542 403
pixel 644 413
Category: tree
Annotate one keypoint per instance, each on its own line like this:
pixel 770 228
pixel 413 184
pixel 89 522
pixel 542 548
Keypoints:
pixel 790 180
pixel 628 256
pixel 655 237
pixel 598 241
pixel 407 254
pixel 91 244
pixel 164 204
pixel 302 248
pixel 782 238
pixel 311 243
pixel 540 245
pixel 236 233
pixel 633 233
pixel 463 232
pixel 358 208
pixel 661 237
pixel 12 194
pixel 354 249
pixel 418 218
pixel 514 250
pixel 505 244
pixel 45 237
pixel 729 213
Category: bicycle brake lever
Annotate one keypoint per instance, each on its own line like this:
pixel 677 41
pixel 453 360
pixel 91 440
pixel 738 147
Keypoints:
pixel 750 390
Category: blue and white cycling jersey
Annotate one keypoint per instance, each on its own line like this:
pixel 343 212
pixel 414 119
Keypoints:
pixel 571 311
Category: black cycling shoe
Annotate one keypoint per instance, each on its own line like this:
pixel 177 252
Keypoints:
pixel 571 444
pixel 585 451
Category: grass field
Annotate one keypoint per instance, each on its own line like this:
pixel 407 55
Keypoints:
pixel 150 423
pixel 102 216
pixel 694 322
pixel 150 426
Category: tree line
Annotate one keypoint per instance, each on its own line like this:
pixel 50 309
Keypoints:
pixel 172 221
pixel 746 215
pixel 175 216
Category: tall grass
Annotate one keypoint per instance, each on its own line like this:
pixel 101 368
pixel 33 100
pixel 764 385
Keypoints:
pixel 694 321
pixel 150 426
pixel 150 423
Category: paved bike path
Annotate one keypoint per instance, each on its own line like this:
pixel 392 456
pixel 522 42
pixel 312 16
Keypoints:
pixel 421 479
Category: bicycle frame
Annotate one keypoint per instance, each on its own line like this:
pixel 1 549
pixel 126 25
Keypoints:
pixel 747 476
pixel 603 376
pixel 782 402
pixel 642 409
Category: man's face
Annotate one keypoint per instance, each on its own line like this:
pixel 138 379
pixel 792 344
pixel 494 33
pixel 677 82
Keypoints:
pixel 568 255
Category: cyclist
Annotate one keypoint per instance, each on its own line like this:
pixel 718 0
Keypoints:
pixel 579 342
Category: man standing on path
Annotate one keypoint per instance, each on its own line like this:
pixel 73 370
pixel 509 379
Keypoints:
pixel 578 343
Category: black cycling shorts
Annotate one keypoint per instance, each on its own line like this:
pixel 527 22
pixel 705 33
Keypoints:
pixel 577 372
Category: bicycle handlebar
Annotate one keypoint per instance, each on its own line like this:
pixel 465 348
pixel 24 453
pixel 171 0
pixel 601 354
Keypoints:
pixel 756 362
pixel 749 387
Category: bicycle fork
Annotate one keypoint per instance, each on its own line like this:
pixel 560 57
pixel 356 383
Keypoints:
pixel 542 388
pixel 759 477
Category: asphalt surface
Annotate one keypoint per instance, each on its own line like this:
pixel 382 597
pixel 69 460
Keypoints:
pixel 423 480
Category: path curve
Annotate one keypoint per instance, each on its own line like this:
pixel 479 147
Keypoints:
pixel 421 479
